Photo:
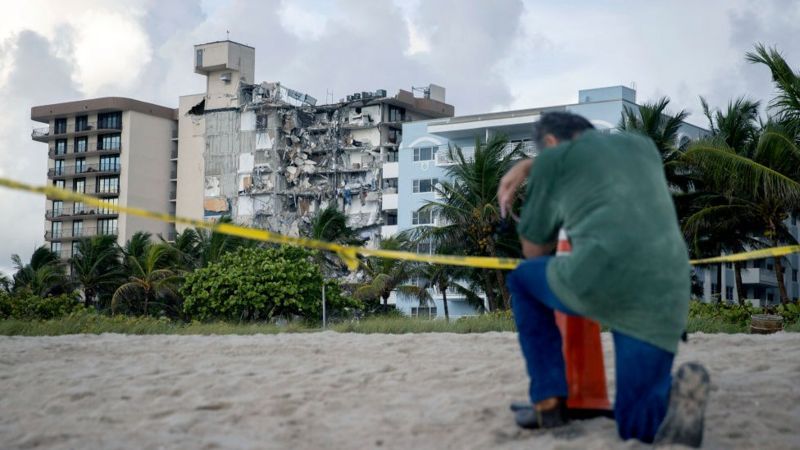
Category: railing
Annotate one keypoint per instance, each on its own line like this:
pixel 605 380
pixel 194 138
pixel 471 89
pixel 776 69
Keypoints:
pixel 42 132
pixel 443 155
pixel 70 152
pixel 173 174
pixel 83 169
pixel 78 211
pixel 78 233
pixel 173 195
pixel 174 154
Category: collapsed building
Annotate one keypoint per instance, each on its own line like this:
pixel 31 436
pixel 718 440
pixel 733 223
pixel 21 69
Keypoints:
pixel 272 158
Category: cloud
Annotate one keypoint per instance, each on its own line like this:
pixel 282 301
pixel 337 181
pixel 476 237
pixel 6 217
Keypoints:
pixel 27 83
pixel 489 55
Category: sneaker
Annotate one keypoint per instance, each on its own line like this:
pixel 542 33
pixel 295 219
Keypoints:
pixel 530 418
pixel 683 423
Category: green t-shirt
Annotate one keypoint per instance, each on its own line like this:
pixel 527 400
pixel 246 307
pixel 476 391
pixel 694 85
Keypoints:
pixel 629 266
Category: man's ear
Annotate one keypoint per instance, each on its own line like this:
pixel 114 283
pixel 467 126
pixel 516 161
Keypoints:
pixel 549 140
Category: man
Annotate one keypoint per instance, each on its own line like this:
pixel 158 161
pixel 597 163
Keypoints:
pixel 628 270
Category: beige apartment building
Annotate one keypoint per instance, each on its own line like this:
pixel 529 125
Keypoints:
pixel 118 149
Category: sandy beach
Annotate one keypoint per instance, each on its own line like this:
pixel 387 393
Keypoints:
pixel 347 391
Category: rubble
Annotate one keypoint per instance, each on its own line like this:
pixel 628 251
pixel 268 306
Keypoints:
pixel 277 159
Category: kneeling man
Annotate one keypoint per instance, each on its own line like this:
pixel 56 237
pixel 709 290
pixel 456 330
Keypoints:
pixel 628 270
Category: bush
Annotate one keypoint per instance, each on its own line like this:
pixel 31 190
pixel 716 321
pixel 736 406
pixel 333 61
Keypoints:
pixel 33 307
pixel 261 284
pixel 739 315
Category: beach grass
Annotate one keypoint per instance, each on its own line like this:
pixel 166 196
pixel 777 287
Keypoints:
pixel 90 323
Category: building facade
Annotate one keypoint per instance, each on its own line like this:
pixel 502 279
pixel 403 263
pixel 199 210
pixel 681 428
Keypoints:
pixel 270 157
pixel 117 149
pixel 423 160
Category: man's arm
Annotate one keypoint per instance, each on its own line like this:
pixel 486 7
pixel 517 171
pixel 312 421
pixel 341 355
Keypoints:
pixel 531 250
pixel 510 183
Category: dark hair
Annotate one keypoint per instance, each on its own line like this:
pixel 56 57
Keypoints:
pixel 563 125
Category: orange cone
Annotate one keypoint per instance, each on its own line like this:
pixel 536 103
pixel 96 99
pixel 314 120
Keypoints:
pixel 583 353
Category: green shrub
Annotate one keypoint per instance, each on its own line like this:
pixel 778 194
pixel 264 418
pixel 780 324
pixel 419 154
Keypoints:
pixel 33 307
pixel 261 284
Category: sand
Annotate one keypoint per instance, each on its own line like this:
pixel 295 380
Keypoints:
pixel 348 391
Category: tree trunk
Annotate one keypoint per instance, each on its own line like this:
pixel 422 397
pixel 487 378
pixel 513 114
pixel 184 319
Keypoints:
pixel 385 298
pixel 487 287
pixel 720 268
pixel 779 278
pixel 506 296
pixel 443 287
pixel 740 291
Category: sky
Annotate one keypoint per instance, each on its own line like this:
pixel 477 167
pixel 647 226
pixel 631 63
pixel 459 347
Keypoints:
pixel 490 55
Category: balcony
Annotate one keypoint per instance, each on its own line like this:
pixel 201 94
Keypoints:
pixel 389 201
pixel 43 134
pixel 74 171
pixel 388 231
pixel 69 235
pixel 759 276
pixel 390 170
pixel 72 154
pixel 85 212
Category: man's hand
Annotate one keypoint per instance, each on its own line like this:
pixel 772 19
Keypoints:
pixel 510 183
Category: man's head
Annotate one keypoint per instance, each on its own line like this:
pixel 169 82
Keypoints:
pixel 556 127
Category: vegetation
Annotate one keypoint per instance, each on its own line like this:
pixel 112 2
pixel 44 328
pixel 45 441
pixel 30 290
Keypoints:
pixel 261 284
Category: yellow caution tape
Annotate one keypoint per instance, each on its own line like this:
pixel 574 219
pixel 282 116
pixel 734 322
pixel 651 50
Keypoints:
pixel 347 253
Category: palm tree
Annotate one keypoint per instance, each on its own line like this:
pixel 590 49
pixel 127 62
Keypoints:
pixel 330 225
pixel 187 249
pixel 44 275
pixel 654 121
pixel 716 222
pixel 786 104
pixel 211 246
pixel 137 245
pixel 97 267
pixel 444 277
pixel 152 280
pixel 468 210
pixel 387 275
pixel 766 187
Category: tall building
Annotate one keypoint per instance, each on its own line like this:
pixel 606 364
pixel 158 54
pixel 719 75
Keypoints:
pixel 423 160
pixel 270 157
pixel 114 148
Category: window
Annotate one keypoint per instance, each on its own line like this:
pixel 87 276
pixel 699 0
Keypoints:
pixel 198 58
pixel 729 265
pixel 714 288
pixel 74 248
pixel 58 208
pixel 390 157
pixel 770 265
pixel 61 147
pixel 81 144
pixel 729 292
pixel 424 217
pixel 55 247
pixel 58 169
pixel 770 297
pixel 80 165
pixel 424 185
pixel 423 311
pixel 757 264
pixel 393 136
pixel 794 274
pixel 77 228
pixel 113 201
pixel 424 153
pixel 60 126
pixel 55 230
pixel 109 163
pixel 109 142
pixel 391 218
pixel 81 123
pixel 390 183
pixel 111 121
pixel 78 208
pixel 59 184
pixel 396 114
pixel 424 248
pixel 107 226
pixel 79 185
pixel 108 185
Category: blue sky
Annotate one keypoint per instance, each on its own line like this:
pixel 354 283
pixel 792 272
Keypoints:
pixel 490 55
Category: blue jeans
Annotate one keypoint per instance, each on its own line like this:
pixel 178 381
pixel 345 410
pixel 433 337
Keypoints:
pixel 642 370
